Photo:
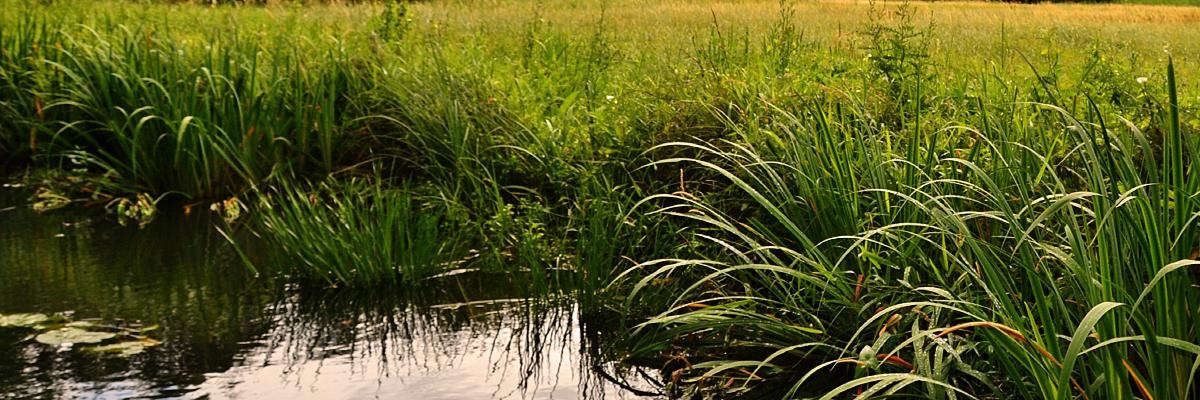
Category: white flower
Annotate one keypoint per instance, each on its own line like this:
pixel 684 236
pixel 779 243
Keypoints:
pixel 1142 80
pixel 610 97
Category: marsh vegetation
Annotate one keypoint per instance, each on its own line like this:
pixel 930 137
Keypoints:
pixel 759 198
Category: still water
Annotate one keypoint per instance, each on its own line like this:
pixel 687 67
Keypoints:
pixel 229 334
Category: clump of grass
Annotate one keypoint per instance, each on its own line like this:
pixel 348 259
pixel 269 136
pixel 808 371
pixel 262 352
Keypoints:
pixel 981 270
pixel 358 232
pixel 165 115
pixel 832 217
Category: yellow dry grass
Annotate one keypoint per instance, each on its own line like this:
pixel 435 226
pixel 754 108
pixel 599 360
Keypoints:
pixel 967 30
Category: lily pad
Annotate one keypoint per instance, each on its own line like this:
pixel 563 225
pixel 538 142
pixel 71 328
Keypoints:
pixel 126 349
pixel 81 324
pixel 73 335
pixel 21 320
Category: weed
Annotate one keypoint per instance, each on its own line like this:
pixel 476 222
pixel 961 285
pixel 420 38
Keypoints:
pixel 829 197
pixel 393 22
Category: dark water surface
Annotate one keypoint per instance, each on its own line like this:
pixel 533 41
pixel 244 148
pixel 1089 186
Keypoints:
pixel 228 334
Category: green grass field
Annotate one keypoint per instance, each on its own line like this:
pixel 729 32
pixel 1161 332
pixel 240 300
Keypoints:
pixel 782 200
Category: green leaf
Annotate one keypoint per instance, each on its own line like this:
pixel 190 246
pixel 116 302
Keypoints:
pixel 888 379
pixel 1077 342
pixel 1172 267
pixel 21 320
pixel 73 335
pixel 125 349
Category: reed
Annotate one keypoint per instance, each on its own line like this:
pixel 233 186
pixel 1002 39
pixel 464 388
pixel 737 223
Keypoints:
pixel 357 232
pixel 828 199
pixel 1037 254
pixel 204 118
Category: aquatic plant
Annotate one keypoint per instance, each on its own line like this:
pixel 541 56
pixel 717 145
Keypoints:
pixel 943 267
pixel 58 330
pixel 358 232
pixel 167 115
pixel 810 196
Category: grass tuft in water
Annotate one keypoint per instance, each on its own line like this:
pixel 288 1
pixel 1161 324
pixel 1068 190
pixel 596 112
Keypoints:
pixel 358 232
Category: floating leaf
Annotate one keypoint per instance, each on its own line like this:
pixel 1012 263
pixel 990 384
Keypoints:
pixel 52 322
pixel 82 324
pixel 73 335
pixel 126 349
pixel 21 320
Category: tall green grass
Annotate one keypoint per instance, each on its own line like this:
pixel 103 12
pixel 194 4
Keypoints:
pixel 1038 253
pixel 357 232
pixel 811 198
pixel 205 118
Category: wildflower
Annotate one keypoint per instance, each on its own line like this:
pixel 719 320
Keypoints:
pixel 611 98
pixel 1142 80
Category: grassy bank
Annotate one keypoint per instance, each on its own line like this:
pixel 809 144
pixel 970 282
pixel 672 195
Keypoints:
pixel 942 200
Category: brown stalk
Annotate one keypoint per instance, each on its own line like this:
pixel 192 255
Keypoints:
pixel 1140 385
pixel 888 358
pixel 1013 333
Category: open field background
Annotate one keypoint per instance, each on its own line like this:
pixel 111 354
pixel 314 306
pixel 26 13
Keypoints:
pixel 826 199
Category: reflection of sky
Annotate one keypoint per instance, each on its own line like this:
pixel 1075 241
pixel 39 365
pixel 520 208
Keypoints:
pixel 228 336
pixel 475 362
pixel 500 355
pixel 470 363
pixel 381 364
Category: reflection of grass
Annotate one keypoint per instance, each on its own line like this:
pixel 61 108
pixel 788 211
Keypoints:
pixel 844 177
pixel 179 273
pixel 517 344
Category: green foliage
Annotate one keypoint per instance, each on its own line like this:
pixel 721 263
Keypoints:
pixel 165 115
pixel 896 49
pixel 358 232
pixel 59 331
pixel 22 320
pixel 1071 281
pixel 140 209
pixel 785 41
pixel 393 22
pixel 884 208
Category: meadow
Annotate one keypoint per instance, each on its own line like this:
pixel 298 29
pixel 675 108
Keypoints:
pixel 770 199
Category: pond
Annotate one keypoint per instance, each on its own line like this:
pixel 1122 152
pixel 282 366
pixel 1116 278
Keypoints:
pixel 227 333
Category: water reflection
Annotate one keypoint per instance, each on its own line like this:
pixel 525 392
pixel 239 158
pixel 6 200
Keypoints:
pixel 432 346
pixel 179 274
pixel 228 334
